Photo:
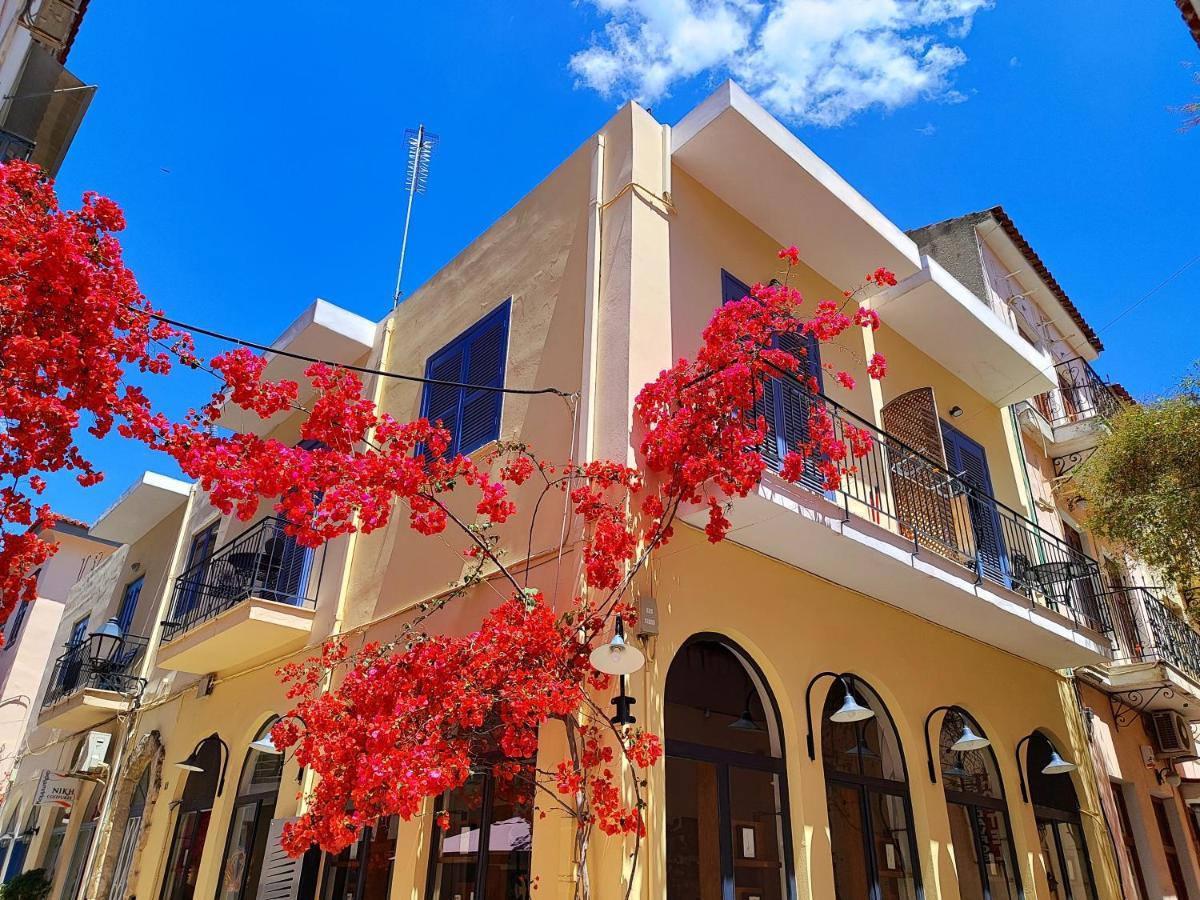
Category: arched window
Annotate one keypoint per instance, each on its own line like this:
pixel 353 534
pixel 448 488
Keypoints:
pixel 979 825
pixel 83 843
pixel 1060 826
pixel 727 808
pixel 191 824
pixel 130 835
pixel 870 815
pixel 250 821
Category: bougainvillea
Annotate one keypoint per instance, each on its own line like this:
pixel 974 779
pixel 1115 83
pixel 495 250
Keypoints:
pixel 390 725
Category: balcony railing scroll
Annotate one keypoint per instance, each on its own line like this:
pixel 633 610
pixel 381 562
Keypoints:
pixel 1081 394
pixel 263 562
pixel 1147 629
pixel 902 489
pixel 99 663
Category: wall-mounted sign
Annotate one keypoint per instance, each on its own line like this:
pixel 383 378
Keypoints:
pixel 56 790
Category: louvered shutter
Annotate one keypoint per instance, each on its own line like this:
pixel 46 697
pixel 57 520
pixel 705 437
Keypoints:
pixel 281 875
pixel 484 365
pixel 968 460
pixel 441 402
pixel 924 503
pixel 784 405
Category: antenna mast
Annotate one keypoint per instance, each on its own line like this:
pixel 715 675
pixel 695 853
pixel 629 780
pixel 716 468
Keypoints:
pixel 420 149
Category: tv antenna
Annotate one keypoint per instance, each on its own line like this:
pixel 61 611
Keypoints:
pixel 420 148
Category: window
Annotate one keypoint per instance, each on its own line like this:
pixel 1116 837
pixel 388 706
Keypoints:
pixel 461 864
pixel 785 404
pixel 78 633
pixel 196 567
pixel 475 357
pixel 1060 826
pixel 191 825
pixel 129 603
pixel 130 835
pixel 1169 849
pixel 870 816
pixel 1129 841
pixel 250 822
pixel 979 824
pixel 18 619
pixel 727 802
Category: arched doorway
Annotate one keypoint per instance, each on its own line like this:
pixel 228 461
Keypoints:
pixel 83 844
pixel 979 826
pixel 253 810
pixel 866 786
pixel 728 834
pixel 1060 825
pixel 191 823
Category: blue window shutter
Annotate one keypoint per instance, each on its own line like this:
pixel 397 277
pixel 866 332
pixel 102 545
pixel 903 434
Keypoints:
pixel 129 602
pixel 441 402
pixel 486 352
pixel 968 460
pixel 476 357
pixel 785 407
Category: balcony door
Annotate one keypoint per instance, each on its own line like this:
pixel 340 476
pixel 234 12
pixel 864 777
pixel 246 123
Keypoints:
pixel 967 459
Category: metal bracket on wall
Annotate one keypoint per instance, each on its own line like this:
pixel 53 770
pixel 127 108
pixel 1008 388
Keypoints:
pixel 1064 464
pixel 1127 706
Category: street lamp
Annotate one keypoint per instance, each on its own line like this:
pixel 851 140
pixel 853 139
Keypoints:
pixel 1056 766
pixel 107 641
pixel 967 741
pixel 851 710
pixel 193 763
pixel 617 657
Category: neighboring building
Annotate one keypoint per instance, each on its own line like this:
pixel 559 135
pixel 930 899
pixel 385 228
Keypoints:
pixel 30 629
pixel 1190 9
pixel 1141 706
pixel 41 102
pixel 941 580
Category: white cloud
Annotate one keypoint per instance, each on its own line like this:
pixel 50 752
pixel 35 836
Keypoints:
pixel 819 61
pixel 928 129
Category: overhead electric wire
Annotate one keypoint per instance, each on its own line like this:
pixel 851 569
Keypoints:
pixel 253 345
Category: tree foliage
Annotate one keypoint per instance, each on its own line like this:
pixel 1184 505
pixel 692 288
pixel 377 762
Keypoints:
pixel 1142 484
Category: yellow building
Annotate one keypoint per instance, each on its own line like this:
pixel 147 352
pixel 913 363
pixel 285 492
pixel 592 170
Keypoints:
pixel 868 693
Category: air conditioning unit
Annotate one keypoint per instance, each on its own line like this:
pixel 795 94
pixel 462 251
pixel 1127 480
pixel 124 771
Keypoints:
pixel 92 752
pixel 1172 734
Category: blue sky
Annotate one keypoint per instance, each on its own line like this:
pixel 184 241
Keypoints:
pixel 260 158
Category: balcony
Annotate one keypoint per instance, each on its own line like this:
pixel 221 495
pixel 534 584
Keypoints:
pixel 95 679
pixel 1156 664
pixel 252 600
pixel 904 529
pixel 1071 415
pixel 13 146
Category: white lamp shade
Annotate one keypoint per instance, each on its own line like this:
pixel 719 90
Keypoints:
pixel 189 767
pixel 617 657
pixel 1174 779
pixel 852 711
pixel 266 745
pixel 968 741
pixel 1058 765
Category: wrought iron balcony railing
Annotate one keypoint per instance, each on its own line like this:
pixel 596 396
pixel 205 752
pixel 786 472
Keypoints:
pixel 98 663
pixel 1081 394
pixel 949 514
pixel 1146 629
pixel 264 562
pixel 13 146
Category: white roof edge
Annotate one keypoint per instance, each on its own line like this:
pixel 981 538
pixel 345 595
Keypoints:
pixel 153 480
pixel 329 315
pixel 731 95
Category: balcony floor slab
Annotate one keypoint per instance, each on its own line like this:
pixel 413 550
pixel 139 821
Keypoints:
pixel 249 633
pixel 83 709
pixel 795 526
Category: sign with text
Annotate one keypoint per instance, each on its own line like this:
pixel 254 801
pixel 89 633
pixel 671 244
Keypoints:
pixel 56 790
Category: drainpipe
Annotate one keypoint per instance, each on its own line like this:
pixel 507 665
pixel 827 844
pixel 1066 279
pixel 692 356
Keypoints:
pixel 591 306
